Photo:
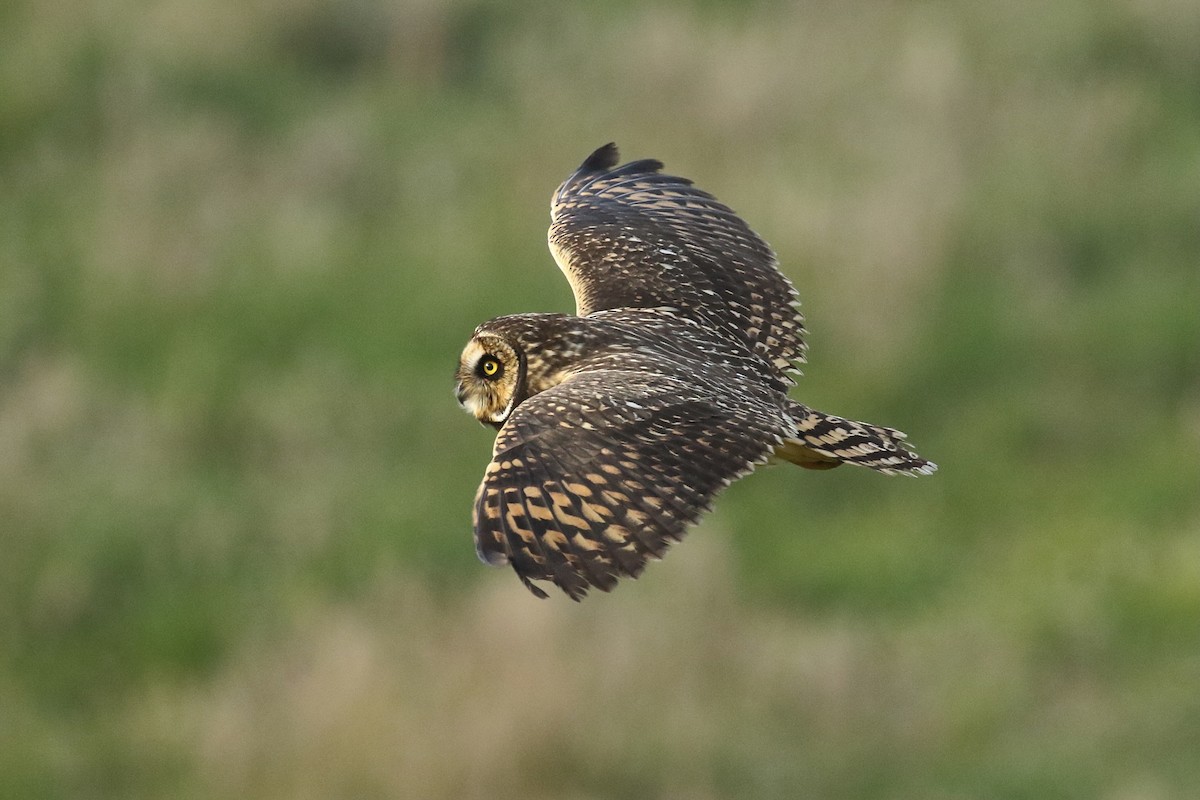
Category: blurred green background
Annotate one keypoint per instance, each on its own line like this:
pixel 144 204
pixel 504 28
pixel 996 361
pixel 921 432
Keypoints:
pixel 241 246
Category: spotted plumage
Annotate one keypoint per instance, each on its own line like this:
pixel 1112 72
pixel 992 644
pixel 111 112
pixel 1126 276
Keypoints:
pixel 617 426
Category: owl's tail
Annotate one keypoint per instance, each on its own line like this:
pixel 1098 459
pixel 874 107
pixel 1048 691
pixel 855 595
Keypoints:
pixel 823 441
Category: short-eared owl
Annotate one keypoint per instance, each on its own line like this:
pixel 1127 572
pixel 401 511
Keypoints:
pixel 619 425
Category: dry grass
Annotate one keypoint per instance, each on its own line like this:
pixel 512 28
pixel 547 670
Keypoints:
pixel 672 690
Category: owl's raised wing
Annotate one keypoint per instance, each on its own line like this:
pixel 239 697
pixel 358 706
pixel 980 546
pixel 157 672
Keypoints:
pixel 593 477
pixel 632 237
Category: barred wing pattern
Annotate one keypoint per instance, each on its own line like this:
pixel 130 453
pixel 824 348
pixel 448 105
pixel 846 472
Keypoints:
pixel 595 476
pixel 632 237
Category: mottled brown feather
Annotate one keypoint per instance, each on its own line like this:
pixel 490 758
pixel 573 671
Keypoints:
pixel 629 472
pixel 633 237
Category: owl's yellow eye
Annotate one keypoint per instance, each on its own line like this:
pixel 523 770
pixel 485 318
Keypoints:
pixel 489 367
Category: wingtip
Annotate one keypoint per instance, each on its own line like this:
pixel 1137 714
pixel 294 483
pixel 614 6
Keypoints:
pixel 491 556
pixel 533 588
pixel 602 158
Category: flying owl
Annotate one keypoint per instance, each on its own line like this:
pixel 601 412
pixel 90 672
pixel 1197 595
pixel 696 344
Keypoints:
pixel 618 425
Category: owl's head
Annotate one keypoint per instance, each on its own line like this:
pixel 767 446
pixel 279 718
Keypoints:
pixel 491 378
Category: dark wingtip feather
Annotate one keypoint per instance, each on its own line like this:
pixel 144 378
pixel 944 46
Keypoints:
pixel 535 590
pixel 603 158
pixel 600 164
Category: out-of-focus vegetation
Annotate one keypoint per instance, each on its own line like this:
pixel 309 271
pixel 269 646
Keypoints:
pixel 241 244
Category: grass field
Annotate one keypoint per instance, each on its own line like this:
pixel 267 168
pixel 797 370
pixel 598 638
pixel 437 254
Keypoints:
pixel 241 246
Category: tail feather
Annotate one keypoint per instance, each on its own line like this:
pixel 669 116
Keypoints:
pixel 823 441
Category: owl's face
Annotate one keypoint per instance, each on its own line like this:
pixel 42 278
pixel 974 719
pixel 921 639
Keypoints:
pixel 491 376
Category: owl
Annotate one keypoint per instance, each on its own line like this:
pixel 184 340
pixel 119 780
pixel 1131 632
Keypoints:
pixel 618 425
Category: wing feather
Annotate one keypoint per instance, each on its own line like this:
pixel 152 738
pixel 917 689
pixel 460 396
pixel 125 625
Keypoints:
pixel 585 497
pixel 632 237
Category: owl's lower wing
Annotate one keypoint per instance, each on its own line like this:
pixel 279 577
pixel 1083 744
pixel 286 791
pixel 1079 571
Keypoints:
pixel 604 471
pixel 632 237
